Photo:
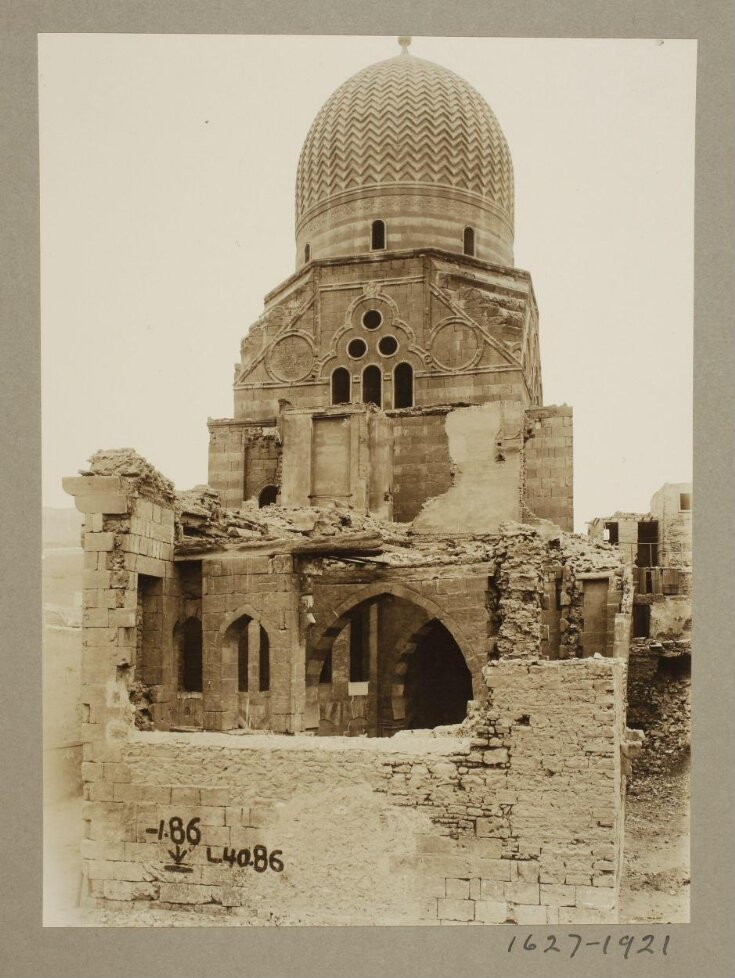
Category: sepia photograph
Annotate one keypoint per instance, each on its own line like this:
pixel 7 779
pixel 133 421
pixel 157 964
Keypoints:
pixel 367 396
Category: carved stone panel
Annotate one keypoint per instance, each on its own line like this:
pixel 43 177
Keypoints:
pixel 291 358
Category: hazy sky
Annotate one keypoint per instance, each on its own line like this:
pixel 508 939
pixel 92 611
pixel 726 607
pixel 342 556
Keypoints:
pixel 167 202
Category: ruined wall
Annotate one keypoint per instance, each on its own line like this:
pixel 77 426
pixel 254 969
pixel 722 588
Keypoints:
pixel 549 475
pixel 421 466
pixel 227 461
pixel 588 627
pixel 485 443
pixel 514 815
pixel 675 531
pixel 518 820
pixel 671 618
pixel 243 459
pixel 659 688
pixel 343 454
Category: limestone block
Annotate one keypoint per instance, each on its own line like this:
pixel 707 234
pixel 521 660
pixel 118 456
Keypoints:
pixel 529 914
pixel 456 909
pixel 492 890
pixel 557 895
pixel 598 898
pixel 528 871
pixel 586 915
pixel 190 893
pixel 527 893
pixel 495 757
pixel 491 911
pixel 215 797
pixel 457 889
pixel 99 541
pixel 99 869
pixel 185 796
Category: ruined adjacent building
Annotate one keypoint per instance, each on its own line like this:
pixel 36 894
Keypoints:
pixel 657 546
pixel 367 674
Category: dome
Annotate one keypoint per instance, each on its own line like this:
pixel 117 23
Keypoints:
pixel 411 143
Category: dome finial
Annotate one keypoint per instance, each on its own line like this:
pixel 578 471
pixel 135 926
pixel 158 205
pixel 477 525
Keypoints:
pixel 404 42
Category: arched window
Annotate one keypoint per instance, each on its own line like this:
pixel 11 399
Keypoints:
pixel 359 668
pixel 341 386
pixel 268 496
pixel 403 386
pixel 372 386
pixel 468 241
pixel 377 236
pixel 307 254
pixel 243 658
pixel 190 665
pixel 264 671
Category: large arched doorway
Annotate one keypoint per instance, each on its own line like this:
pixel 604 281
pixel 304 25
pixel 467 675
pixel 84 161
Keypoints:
pixel 385 664
pixel 437 683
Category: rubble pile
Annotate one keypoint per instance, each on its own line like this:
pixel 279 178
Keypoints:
pixel 203 524
pixel 135 471
pixel 659 687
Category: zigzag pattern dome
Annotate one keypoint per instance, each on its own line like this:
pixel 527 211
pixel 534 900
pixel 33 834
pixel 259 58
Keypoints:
pixel 405 121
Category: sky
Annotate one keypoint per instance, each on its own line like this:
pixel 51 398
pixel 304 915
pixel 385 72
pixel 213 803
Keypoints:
pixel 168 165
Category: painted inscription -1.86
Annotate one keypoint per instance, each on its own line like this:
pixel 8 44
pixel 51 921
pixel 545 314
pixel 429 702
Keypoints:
pixel 179 833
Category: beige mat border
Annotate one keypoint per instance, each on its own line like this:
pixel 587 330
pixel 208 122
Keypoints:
pixel 704 947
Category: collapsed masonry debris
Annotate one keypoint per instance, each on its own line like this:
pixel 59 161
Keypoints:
pixel 659 685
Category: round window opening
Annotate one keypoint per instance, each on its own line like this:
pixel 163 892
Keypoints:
pixel 372 319
pixel 388 346
pixel 357 349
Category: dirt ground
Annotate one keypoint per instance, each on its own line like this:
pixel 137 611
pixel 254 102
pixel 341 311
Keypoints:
pixel 655 885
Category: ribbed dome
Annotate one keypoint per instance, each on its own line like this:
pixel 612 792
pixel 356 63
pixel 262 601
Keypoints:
pixel 405 121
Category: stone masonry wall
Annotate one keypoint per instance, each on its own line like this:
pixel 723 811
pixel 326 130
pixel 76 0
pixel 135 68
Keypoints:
pixel 261 588
pixel 421 468
pixel 519 819
pixel 243 459
pixel 549 490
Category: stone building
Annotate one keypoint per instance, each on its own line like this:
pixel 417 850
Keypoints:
pixel 374 624
pixel 657 546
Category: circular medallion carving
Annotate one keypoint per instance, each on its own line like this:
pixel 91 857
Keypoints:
pixel 291 358
pixel 455 345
